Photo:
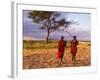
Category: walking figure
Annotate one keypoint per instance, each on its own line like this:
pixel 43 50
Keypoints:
pixel 61 49
pixel 74 44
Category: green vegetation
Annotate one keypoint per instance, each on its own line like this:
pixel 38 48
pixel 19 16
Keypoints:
pixel 31 44
pixel 40 44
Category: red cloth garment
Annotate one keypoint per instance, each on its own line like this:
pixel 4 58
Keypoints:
pixel 74 44
pixel 61 48
pixel 58 55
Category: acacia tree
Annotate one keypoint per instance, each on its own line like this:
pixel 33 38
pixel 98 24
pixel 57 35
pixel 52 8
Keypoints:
pixel 50 21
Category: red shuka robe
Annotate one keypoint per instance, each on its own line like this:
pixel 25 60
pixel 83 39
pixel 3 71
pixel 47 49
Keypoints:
pixel 61 48
pixel 74 44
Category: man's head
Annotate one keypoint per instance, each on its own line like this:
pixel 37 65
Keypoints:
pixel 62 37
pixel 74 37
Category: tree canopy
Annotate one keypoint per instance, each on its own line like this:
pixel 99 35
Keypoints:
pixel 50 21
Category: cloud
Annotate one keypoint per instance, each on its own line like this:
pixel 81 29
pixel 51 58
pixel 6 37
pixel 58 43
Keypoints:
pixel 31 30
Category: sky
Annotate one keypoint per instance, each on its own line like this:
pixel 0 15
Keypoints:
pixel 82 28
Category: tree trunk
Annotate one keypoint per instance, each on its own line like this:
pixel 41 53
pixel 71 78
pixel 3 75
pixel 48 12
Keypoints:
pixel 47 37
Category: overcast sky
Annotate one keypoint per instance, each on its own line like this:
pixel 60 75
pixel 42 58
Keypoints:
pixel 82 29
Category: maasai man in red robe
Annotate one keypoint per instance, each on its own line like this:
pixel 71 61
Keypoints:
pixel 74 44
pixel 61 49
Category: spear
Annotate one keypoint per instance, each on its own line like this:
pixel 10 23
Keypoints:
pixel 67 32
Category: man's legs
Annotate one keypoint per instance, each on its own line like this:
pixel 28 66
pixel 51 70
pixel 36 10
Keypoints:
pixel 74 59
pixel 62 57
pixel 59 62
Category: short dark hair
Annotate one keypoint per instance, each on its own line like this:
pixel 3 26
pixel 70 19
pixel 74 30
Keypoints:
pixel 74 37
pixel 62 37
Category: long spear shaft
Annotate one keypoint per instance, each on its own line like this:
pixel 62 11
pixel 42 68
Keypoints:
pixel 69 33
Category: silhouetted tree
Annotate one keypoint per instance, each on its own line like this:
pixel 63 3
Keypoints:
pixel 50 21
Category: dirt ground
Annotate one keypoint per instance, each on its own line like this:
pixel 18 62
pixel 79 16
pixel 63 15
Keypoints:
pixel 45 58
